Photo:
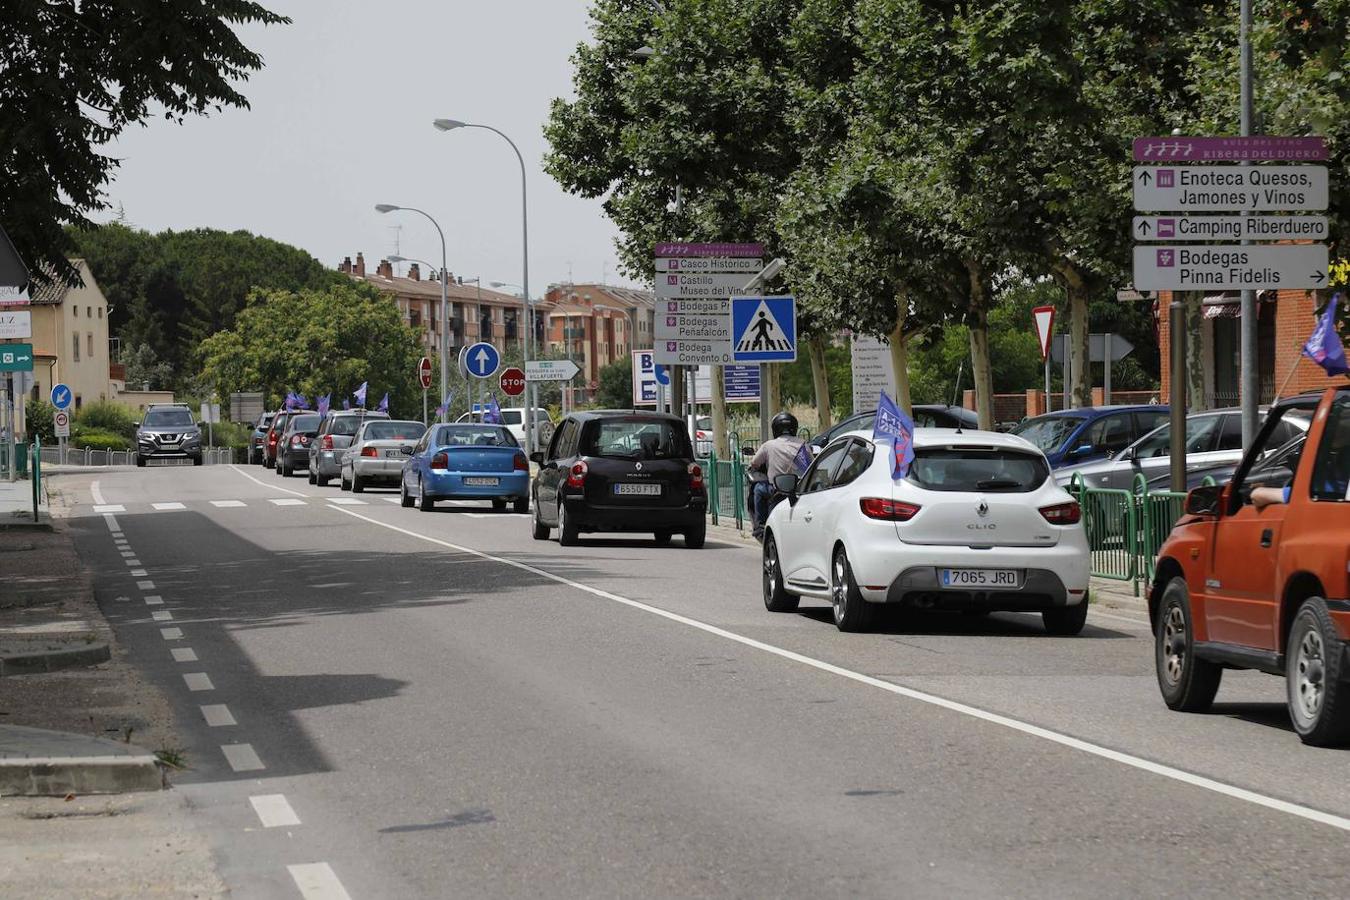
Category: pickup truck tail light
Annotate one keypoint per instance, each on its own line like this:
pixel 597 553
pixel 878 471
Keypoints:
pixel 521 463
pixel 369 451
pixel 576 476
pixel 888 510
pixel 695 478
pixel 1063 513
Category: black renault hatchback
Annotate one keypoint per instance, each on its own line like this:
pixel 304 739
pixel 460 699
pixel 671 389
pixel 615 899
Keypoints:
pixel 620 471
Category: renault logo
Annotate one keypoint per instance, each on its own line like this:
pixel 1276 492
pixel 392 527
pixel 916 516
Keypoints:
pixel 638 466
pixel 982 509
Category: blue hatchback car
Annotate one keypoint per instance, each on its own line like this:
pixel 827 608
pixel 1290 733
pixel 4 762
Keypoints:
pixel 466 462
pixel 1073 436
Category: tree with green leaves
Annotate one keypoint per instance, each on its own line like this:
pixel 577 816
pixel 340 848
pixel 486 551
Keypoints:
pixel 78 74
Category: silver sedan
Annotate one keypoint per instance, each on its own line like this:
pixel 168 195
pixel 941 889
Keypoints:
pixel 377 453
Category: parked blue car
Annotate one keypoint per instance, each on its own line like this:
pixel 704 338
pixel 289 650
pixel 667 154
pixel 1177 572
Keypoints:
pixel 466 462
pixel 1073 436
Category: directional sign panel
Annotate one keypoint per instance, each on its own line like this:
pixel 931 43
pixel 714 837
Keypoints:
pixel 1230 188
pixel 745 265
pixel 16 323
pixel 482 360
pixel 1260 267
pixel 701 285
pixel 1229 228
pixel 1266 148
pixel 1098 346
pixel 742 383
pixel 764 329
pixel 16 357
pixel 61 396
pixel 550 370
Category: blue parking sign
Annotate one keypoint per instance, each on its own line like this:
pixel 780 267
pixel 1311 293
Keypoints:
pixel 763 329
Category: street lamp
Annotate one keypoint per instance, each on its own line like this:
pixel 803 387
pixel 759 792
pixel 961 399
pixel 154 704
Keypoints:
pixel 451 125
pixel 445 287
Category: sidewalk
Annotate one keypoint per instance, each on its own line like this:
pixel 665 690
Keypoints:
pixel 16 503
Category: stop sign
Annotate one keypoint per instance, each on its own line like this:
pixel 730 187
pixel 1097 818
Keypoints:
pixel 424 373
pixel 513 382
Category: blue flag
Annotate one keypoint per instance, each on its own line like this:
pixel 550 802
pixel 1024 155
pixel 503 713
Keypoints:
pixel 360 394
pixel 802 461
pixel 493 416
pixel 324 402
pixel 384 403
pixel 346 404
pixel 894 426
pixel 301 401
pixel 1324 346
pixel 290 400
pixel 445 405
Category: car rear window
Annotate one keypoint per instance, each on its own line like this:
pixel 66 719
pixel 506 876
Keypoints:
pixel 986 469
pixel 634 438
pixel 394 431
pixel 474 436
pixel 304 423
pixel 512 417
pixel 1048 432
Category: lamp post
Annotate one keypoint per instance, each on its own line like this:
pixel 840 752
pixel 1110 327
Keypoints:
pixel 451 125
pixel 445 288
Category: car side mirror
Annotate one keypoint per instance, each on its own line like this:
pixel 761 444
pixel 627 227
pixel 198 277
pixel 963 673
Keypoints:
pixel 1204 500
pixel 1081 450
pixel 537 457
pixel 406 451
pixel 786 484
pixel 137 424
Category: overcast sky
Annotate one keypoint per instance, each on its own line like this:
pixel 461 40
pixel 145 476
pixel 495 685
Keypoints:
pixel 341 120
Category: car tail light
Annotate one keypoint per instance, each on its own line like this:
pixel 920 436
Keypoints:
pixel 441 461
pixel 521 463
pixel 327 443
pixel 576 476
pixel 271 440
pixel 695 478
pixel 888 510
pixel 299 441
pixel 1063 513
pixel 369 451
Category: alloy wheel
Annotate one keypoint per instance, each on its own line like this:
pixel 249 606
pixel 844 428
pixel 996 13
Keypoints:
pixel 839 589
pixel 1311 674
pixel 770 567
pixel 1174 645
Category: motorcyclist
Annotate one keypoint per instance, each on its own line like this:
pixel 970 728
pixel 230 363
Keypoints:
pixel 775 457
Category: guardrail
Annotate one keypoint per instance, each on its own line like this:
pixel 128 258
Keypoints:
pixel 89 456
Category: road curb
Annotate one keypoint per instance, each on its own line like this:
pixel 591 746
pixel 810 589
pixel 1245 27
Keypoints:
pixel 55 660
pixel 56 776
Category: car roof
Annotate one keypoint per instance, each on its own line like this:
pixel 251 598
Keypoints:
pixel 957 437
pixel 1093 412
pixel 590 414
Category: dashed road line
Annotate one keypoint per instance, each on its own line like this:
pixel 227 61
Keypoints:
pixel 287 501
pixel 228 504
pixel 168 506
pixel 161 615
pixel 154 600
pixel 198 681
pixel 171 634
pixel 266 484
pixel 113 525
pixel 184 654
pixel 347 501
pixel 133 562
pixel 109 508
pixel 392 499
pixel 127 553
pixel 317 881
pixel 217 715
pixel 242 757
pixel 273 810
pixel 138 573
pixel 145 585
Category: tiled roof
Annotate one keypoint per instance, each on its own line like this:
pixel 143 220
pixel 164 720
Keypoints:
pixel 53 291
pixel 431 289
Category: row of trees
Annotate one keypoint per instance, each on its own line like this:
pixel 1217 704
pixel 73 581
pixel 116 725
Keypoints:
pixel 914 160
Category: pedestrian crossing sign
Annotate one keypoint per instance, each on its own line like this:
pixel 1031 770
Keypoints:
pixel 764 329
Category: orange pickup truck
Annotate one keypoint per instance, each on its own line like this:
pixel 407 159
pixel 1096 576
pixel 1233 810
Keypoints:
pixel 1263 582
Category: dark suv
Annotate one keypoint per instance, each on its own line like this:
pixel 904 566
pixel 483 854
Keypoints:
pixel 611 470
pixel 294 444
pixel 168 432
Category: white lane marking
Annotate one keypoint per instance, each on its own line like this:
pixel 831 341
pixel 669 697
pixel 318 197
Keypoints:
pixel 126 553
pixel 287 501
pixel 137 573
pixel 347 501
pixel 95 492
pixel 109 508
pixel 1055 737
pixel 273 810
pixel 392 499
pixel 121 543
pixel 171 634
pixel 217 715
pixel 166 506
pixel 268 484
pixel 198 681
pixel 1143 622
pixel 317 881
pixel 145 585
pixel 111 521
pixel 242 757
pixel 228 504
pixel 184 654
pixel 154 600
pixel 161 615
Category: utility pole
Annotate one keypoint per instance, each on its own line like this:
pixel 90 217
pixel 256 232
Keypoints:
pixel 1249 375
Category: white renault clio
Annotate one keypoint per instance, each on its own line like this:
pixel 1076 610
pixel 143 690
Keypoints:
pixel 978 524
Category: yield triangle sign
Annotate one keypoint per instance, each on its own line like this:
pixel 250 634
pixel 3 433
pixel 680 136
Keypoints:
pixel 1045 326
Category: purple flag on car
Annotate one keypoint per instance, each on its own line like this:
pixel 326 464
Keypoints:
pixel 384 403
pixel 301 401
pixel 445 405
pixel 324 402
pixel 360 394
pixel 346 404
pixel 1324 346
pixel 894 426
pixel 493 416
pixel 802 461
pixel 289 403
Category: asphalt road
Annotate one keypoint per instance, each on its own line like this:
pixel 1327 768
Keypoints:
pixel 446 707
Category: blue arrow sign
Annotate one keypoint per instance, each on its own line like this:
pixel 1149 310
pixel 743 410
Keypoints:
pixel 482 360
pixel 763 329
pixel 61 396
pixel 661 374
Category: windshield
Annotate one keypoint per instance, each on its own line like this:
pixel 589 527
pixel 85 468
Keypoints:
pixel 1048 432
pixel 168 418
pixel 985 469
pixel 474 436
pixel 635 439
pixel 394 431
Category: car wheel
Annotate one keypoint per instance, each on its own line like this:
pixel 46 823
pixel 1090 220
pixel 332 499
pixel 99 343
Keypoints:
pixel 776 597
pixel 520 506
pixel 663 538
pixel 424 503
pixel 196 460
pixel 140 461
pixel 286 470
pixel 320 480
pixel 1319 701
pixel 541 530
pixel 1188 684
pixel 346 485
pixel 568 534
pixel 694 537
pixel 851 611
pixel 358 483
pixel 1066 621
pixel 311 476
pixel 498 505
pixel 404 499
